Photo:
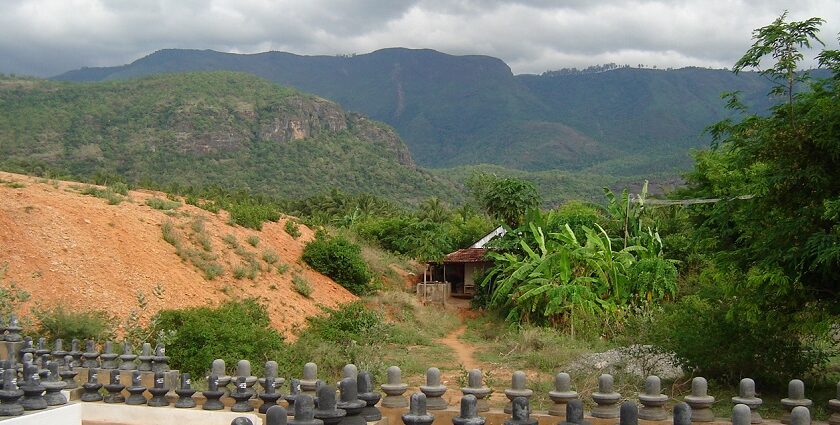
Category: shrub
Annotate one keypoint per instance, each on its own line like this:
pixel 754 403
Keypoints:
pixel 162 204
pixel 302 285
pixel 252 215
pixel 253 240
pixel 292 228
pixel 60 322
pixel 282 268
pixel 232 331
pixel 270 257
pixel 211 270
pixel 109 195
pixel 230 240
pixel 339 259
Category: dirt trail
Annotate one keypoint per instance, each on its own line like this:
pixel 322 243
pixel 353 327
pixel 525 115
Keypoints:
pixel 463 352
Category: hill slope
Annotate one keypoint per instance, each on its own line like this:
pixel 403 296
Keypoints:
pixel 65 247
pixel 458 110
pixel 233 130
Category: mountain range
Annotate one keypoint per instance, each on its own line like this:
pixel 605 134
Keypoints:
pixel 467 110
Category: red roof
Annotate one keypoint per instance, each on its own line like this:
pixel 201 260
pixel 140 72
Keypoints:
pixel 467 255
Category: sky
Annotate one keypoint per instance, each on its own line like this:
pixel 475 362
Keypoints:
pixel 47 37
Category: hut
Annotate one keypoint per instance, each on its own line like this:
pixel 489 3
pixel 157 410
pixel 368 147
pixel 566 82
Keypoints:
pixel 455 275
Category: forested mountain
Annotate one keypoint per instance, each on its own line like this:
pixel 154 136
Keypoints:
pixel 461 110
pixel 233 130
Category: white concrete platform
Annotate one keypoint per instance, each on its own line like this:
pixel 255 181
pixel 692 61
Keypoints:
pixel 143 415
pixel 69 414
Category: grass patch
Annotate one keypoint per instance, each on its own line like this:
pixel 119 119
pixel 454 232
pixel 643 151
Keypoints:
pixel 270 256
pixel 203 260
pixel 301 285
pixel 282 268
pixel 292 228
pixel 253 240
pixel 14 185
pixel 162 204
pixel 108 194
pixel 230 240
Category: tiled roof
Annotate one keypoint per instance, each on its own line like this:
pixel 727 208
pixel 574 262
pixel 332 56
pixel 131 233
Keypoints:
pixel 467 255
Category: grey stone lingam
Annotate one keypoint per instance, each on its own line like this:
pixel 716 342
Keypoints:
pixel 350 371
pixel 90 357
pixel 574 413
pixel 294 391
pixel 310 377
pixel 305 411
pixel 13 329
pixel 469 412
pixel 270 371
pixel 628 413
pixel 243 370
pixel 700 401
pixel 796 397
pixel 75 352
pixel 10 395
pixel 114 388
pixel 395 389
pixel 741 414
pixel 518 388
pixel 58 352
pixel 606 398
pixel 218 369
pixel 135 390
pixel 653 401
pixel 417 411
pixel 561 395
pixel 158 392
pixel 366 393
pixel 476 388
pixel 42 351
pixel 53 386
pixel 33 391
pixel 145 358
pixel 213 394
pixel 128 357
pixel 270 395
pixel 800 415
pixel 746 396
pixel 276 415
pixel 350 403
pixel 68 373
pixel 682 414
pixel 327 410
pixel 185 392
pixel 241 421
pixel 108 357
pixel 241 394
pixel 160 361
pixel 520 413
pixel 434 390
pixel 92 387
pixel 834 406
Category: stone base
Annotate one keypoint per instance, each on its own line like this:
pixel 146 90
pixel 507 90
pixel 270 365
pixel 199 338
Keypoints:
pixel 609 411
pixel 653 413
pixel 702 415
pixel 68 414
pixel 142 415
pixel 394 401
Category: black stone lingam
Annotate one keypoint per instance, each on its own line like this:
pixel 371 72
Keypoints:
pixel 10 395
pixel 108 357
pixel 276 415
pixel 469 412
pixel 75 352
pixel 351 403
pixel 53 386
pixel 213 394
pixel 92 387
pixel 305 411
pixel 294 391
pixel 574 413
pixel 270 371
pixel 33 391
pixel 136 390
pixel 127 357
pixel 145 358
pixel 270 395
pixel 241 395
pixel 160 362
pixel 158 392
pixel 185 393
pixel 114 388
pixel 241 421
pixel 682 414
pixel 520 413
pixel 41 351
pixel 68 373
pixel 58 352
pixel 13 329
pixel 43 372
pixel 417 413
pixel 327 410
pixel 369 396
pixel 90 357
pixel 628 413
pixel 27 347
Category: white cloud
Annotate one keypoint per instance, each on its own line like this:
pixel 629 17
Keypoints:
pixel 45 37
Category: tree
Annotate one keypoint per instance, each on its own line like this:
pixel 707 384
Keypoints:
pixel 506 199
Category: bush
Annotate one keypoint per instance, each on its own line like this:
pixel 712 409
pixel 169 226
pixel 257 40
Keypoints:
pixel 292 228
pixel 302 285
pixel 232 331
pixel 252 215
pixel 270 256
pixel 339 259
pixel 253 240
pixel 162 204
pixel 61 322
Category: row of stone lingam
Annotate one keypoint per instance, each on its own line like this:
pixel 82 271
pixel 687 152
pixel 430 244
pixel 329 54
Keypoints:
pixel 149 359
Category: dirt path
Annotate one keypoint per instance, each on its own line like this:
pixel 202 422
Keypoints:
pixel 463 351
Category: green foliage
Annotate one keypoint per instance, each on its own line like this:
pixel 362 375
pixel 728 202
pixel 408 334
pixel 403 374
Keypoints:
pixel 292 228
pixel 339 259
pixel 234 330
pixel 505 199
pixel 654 280
pixel 162 204
pixel 270 256
pixel 301 285
pixel 107 194
pixel 253 240
pixel 60 321
pixel 252 215
pixel 10 296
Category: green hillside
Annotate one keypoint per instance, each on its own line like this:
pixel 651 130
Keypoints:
pixel 468 110
pixel 228 129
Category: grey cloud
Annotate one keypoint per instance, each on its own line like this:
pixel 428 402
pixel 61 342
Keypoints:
pixel 46 37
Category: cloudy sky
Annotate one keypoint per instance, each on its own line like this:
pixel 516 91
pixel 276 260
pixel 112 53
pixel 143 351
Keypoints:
pixel 47 37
